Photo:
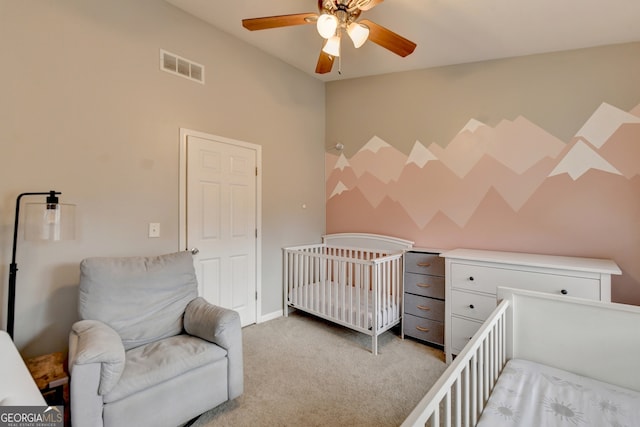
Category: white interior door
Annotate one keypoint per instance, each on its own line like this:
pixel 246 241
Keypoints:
pixel 221 221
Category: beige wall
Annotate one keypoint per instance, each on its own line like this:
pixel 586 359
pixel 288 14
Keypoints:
pixel 85 110
pixel 529 179
pixel 557 91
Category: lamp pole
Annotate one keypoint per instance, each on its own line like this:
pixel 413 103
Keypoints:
pixel 13 268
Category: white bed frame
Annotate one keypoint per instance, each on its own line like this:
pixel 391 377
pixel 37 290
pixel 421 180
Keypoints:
pixel 590 338
pixel 352 279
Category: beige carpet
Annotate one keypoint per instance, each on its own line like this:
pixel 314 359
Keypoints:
pixel 304 371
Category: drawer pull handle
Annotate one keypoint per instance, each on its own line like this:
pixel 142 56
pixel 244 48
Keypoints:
pixel 564 292
pixel 421 329
pixel 423 285
pixel 422 307
pixel 471 306
pixel 424 264
pixel 471 278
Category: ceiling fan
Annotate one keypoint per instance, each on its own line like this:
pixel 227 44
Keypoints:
pixel 336 17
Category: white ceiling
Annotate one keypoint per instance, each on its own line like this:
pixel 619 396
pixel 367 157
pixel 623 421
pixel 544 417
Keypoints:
pixel 446 31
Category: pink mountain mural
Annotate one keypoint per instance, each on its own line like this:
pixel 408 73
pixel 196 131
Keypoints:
pixel 603 123
pixel 381 157
pixel 623 149
pixel 518 144
pixel 509 187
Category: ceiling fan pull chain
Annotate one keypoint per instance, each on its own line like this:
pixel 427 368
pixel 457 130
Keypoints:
pixel 340 65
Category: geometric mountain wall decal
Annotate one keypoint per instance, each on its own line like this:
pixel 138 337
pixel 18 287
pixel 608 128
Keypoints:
pixel 506 187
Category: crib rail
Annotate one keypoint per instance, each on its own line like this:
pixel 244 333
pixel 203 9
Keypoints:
pixel 355 287
pixel 459 396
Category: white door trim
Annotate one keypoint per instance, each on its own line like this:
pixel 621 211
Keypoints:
pixel 184 134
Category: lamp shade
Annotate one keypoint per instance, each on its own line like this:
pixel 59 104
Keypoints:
pixel 358 33
pixel 327 25
pixel 44 221
pixel 332 46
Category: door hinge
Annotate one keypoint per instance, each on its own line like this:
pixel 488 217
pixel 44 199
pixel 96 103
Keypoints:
pixel 256 171
pixel 256 295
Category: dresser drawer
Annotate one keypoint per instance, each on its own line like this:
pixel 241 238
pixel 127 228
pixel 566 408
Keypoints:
pixel 423 329
pixel 422 284
pixel 461 333
pixel 475 306
pixel 420 306
pixel 424 263
pixel 487 279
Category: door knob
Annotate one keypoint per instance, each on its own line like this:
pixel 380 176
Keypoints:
pixel 194 251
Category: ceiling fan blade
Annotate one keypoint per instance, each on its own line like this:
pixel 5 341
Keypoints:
pixel 388 39
pixel 370 5
pixel 267 22
pixel 325 63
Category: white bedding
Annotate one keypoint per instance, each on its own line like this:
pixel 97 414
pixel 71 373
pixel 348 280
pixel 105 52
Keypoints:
pixel 530 394
pixel 339 304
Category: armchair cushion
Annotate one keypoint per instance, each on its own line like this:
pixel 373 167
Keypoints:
pixel 111 291
pixel 163 360
pixel 98 343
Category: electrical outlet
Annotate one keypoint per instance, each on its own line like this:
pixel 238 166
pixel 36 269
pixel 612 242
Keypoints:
pixel 154 229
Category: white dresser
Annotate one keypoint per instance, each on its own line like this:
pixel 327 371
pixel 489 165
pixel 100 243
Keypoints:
pixel 472 277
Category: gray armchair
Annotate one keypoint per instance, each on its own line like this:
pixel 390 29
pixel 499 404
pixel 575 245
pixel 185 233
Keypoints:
pixel 147 350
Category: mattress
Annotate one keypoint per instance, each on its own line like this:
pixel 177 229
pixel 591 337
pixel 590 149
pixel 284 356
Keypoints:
pixel 346 303
pixel 531 394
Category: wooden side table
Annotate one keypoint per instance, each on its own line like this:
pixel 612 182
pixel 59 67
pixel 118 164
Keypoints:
pixel 50 374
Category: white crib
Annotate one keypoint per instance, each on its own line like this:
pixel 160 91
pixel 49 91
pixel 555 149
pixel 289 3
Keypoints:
pixel 589 338
pixel 352 279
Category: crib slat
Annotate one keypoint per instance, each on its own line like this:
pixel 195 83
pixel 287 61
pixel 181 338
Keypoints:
pixel 486 367
pixel 435 420
pixel 340 291
pixel 382 297
pixel 316 279
pixel 491 351
pixel 285 277
pixel 447 409
pixel 474 389
pixel 498 353
pixel 368 293
pixel 458 403
pixel 358 288
pixel 324 274
pixel 466 396
pixel 305 280
pixel 296 260
pixel 375 306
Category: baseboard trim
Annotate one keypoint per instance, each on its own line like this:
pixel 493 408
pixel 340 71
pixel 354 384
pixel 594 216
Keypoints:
pixel 271 316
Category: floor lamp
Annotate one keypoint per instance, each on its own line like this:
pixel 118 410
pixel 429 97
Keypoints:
pixel 45 221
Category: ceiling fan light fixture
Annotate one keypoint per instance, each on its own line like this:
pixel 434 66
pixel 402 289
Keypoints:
pixel 358 33
pixel 327 25
pixel 332 46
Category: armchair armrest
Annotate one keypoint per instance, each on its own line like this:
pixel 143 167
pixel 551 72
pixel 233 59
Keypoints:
pixel 96 362
pixel 93 342
pixel 220 326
